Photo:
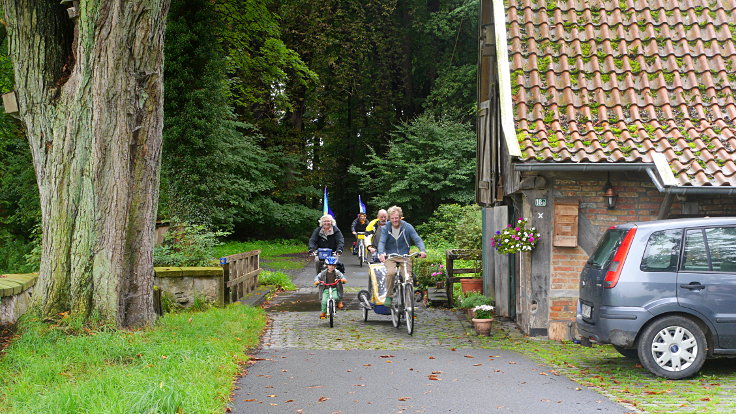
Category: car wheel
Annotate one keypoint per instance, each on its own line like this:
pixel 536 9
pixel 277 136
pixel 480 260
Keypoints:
pixel 673 347
pixel 632 353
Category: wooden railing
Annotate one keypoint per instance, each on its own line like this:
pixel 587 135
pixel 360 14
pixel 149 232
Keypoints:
pixel 458 254
pixel 241 274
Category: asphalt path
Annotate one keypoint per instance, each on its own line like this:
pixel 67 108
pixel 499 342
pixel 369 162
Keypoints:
pixel 304 366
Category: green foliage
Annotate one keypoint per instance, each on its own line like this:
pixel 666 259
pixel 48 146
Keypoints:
pixel 469 229
pixel 212 166
pixel 20 210
pixel 280 280
pixel 429 162
pixel 100 369
pixel 187 244
pixel 453 224
pixel 473 299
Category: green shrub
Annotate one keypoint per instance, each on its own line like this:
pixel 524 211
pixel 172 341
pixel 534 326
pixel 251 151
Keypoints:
pixel 187 244
pixel 453 226
pixel 469 228
pixel 473 299
pixel 423 268
pixel 279 279
pixel 440 228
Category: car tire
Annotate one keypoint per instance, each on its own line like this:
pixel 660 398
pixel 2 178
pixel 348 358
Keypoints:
pixel 632 353
pixel 673 347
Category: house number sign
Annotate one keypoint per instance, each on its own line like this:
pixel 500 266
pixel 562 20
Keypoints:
pixel 540 202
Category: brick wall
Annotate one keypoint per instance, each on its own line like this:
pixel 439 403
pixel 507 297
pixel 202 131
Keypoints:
pixel 638 200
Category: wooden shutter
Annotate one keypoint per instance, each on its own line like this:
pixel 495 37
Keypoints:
pixel 566 224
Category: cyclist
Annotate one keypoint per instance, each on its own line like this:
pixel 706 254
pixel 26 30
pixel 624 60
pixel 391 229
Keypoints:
pixel 373 232
pixel 329 276
pixel 358 225
pixel 327 235
pixel 397 237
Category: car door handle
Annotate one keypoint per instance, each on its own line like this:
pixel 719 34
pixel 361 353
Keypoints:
pixel 693 286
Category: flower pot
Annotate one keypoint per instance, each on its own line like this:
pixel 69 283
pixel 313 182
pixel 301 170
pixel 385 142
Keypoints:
pixel 439 285
pixel 470 313
pixel 482 326
pixel 474 284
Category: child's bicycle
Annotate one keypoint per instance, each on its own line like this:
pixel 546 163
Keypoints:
pixel 332 301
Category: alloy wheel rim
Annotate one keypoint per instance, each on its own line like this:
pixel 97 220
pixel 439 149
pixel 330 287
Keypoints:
pixel 674 348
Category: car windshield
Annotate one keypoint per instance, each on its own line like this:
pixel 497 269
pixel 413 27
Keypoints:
pixel 606 248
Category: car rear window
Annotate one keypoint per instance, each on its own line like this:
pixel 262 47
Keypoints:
pixel 606 248
pixel 662 251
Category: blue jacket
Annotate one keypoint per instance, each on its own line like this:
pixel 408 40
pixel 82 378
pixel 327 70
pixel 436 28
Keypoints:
pixel 407 237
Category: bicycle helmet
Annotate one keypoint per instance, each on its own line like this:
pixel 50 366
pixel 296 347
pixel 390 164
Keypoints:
pixel 331 260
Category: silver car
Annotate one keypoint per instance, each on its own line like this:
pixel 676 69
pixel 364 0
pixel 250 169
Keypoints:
pixel 663 291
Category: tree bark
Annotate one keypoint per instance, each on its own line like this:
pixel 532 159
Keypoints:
pixel 90 94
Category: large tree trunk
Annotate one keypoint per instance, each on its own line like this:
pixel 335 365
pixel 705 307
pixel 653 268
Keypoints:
pixel 90 92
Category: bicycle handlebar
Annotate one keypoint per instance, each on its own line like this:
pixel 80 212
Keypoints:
pixel 329 284
pixel 390 255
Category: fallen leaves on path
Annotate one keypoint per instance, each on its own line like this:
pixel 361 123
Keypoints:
pixel 322 399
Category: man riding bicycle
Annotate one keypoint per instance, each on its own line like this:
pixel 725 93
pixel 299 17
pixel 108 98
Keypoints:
pixel 397 237
pixel 358 226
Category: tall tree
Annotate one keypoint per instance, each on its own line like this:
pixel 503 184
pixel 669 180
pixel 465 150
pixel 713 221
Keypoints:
pixel 211 170
pixel 90 93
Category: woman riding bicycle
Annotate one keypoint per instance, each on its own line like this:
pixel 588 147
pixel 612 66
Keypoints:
pixel 327 235
pixel 397 237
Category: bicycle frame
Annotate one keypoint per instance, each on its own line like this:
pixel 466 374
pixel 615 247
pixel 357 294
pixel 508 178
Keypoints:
pixel 331 302
pixel 404 303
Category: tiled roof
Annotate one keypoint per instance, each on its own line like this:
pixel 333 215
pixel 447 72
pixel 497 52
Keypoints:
pixel 617 81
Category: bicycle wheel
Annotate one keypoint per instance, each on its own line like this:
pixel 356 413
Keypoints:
pixel 409 307
pixel 395 312
pixel 361 253
pixel 331 311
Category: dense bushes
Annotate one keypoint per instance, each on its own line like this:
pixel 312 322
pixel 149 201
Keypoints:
pixel 453 225
pixel 187 244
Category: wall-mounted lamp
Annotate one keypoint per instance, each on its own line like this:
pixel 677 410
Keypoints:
pixel 610 194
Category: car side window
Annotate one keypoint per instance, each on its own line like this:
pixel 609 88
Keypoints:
pixel 722 248
pixel 695 256
pixel 662 251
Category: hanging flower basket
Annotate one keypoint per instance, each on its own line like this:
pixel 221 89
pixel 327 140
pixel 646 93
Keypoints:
pixel 515 238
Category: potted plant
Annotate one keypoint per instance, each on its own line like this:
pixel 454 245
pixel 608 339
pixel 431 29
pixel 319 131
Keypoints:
pixel 483 319
pixel 471 300
pixel 439 275
pixel 515 238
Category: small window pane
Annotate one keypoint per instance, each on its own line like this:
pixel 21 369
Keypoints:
pixel 662 251
pixel 722 246
pixel 695 257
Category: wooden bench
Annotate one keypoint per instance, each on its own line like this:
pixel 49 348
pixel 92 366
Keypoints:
pixel 458 254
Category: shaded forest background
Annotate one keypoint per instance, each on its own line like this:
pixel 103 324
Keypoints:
pixel 268 102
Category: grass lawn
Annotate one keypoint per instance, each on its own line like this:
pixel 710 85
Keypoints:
pixel 185 363
pixel 623 379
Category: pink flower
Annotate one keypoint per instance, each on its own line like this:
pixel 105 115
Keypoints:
pixel 516 229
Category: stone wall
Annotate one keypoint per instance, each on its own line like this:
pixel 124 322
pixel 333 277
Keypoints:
pixel 15 295
pixel 184 284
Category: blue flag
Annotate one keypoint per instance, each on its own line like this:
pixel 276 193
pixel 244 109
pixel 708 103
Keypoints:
pixel 325 206
pixel 361 206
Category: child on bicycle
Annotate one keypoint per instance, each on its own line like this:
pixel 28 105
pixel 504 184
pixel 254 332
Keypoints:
pixel 329 276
